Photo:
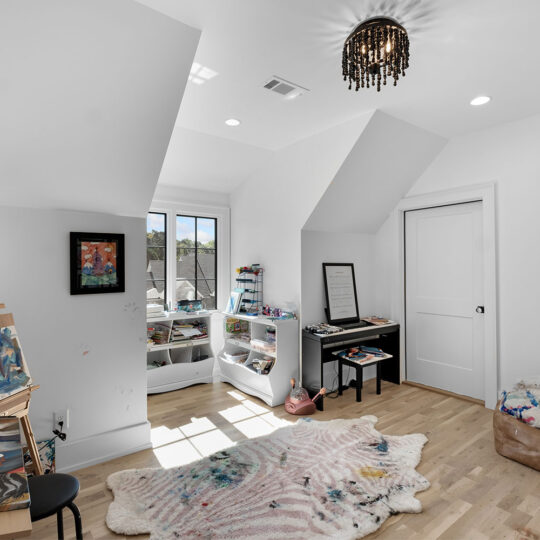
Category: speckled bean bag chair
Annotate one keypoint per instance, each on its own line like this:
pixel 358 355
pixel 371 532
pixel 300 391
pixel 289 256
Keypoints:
pixel 516 422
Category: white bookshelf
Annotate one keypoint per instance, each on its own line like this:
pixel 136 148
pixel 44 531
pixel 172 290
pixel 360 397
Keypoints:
pixel 273 387
pixel 181 366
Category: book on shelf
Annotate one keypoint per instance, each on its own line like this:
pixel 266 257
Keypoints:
pixel 154 310
pixel 377 321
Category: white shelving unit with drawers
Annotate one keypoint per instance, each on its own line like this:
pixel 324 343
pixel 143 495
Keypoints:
pixel 239 356
pixel 173 365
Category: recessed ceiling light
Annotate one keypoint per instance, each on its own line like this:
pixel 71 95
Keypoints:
pixel 480 100
pixel 233 122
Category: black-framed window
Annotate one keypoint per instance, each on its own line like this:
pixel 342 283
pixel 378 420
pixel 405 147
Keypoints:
pixel 196 259
pixel 156 258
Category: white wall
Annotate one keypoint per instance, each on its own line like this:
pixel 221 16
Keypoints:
pixel 319 247
pixel 384 163
pixel 269 210
pixel 87 352
pixel 507 155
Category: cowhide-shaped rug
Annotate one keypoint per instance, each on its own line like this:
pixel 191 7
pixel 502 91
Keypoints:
pixel 337 479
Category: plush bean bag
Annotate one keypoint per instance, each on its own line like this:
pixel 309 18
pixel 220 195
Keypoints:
pixel 515 439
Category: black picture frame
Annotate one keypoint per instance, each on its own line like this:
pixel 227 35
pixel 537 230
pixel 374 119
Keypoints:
pixel 330 316
pixel 104 270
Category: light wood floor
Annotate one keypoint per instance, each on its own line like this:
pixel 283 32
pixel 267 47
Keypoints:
pixel 475 494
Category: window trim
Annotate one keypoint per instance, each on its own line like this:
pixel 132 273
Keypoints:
pixel 165 269
pixel 223 240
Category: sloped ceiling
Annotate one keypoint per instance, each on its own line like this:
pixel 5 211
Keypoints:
pixel 90 92
pixel 388 157
pixel 202 161
pixel 459 49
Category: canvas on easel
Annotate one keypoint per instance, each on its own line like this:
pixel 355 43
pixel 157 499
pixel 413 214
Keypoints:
pixel 14 492
pixel 14 373
pixel 16 384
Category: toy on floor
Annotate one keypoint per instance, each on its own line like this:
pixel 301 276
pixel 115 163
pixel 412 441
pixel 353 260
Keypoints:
pixel 298 401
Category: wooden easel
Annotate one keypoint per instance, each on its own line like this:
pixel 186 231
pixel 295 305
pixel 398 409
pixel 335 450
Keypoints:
pixel 17 522
pixel 18 405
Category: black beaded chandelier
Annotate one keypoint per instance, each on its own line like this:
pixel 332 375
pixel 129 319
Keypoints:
pixel 376 49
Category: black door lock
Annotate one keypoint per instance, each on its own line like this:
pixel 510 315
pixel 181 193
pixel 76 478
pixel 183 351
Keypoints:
pixel 479 309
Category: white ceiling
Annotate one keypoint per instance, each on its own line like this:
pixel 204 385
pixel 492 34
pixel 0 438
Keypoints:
pixel 459 49
pixel 89 95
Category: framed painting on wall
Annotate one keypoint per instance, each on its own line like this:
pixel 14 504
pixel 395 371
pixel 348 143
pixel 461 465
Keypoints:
pixel 96 263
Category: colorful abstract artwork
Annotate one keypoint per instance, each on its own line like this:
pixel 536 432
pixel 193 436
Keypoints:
pixel 47 455
pixel 14 493
pixel 97 263
pixel 14 374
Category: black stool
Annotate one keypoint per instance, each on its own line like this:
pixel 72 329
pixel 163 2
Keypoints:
pixel 50 494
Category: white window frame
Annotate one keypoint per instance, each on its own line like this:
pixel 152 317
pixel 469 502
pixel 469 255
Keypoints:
pixel 222 215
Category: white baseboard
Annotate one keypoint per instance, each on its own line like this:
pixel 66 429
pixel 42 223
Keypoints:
pixel 74 455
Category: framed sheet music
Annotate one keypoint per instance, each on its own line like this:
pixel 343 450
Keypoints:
pixel 340 288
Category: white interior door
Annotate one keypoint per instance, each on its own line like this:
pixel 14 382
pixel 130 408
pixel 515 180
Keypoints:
pixel 444 287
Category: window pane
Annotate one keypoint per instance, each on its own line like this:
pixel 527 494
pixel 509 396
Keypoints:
pixel 185 263
pixel 155 263
pixel 206 243
pixel 206 264
pixel 206 232
pixel 196 259
pixel 155 291
pixel 185 248
pixel 185 232
pixel 207 292
pixel 155 230
pixel 185 289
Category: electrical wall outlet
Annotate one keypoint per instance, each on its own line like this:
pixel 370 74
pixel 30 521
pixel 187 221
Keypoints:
pixel 61 416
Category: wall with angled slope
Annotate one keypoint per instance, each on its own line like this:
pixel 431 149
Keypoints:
pixel 90 94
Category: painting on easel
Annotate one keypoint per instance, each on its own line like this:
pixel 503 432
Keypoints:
pixel 14 374
pixel 14 493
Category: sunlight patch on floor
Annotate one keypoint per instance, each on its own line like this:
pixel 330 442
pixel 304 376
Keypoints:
pixel 254 407
pixel 196 426
pixel 163 435
pixel 211 442
pixel 236 395
pixel 236 413
pixel 275 421
pixel 260 425
pixel 174 447
pixel 176 454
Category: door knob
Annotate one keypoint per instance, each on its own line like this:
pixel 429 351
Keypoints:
pixel 479 309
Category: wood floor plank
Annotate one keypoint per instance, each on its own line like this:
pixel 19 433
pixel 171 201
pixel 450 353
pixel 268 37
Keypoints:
pixel 475 493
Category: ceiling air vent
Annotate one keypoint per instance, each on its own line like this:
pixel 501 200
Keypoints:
pixel 284 88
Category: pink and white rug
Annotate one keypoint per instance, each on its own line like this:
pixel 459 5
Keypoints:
pixel 338 479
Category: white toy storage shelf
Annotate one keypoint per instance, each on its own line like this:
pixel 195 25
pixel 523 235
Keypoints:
pixel 177 364
pixel 238 369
